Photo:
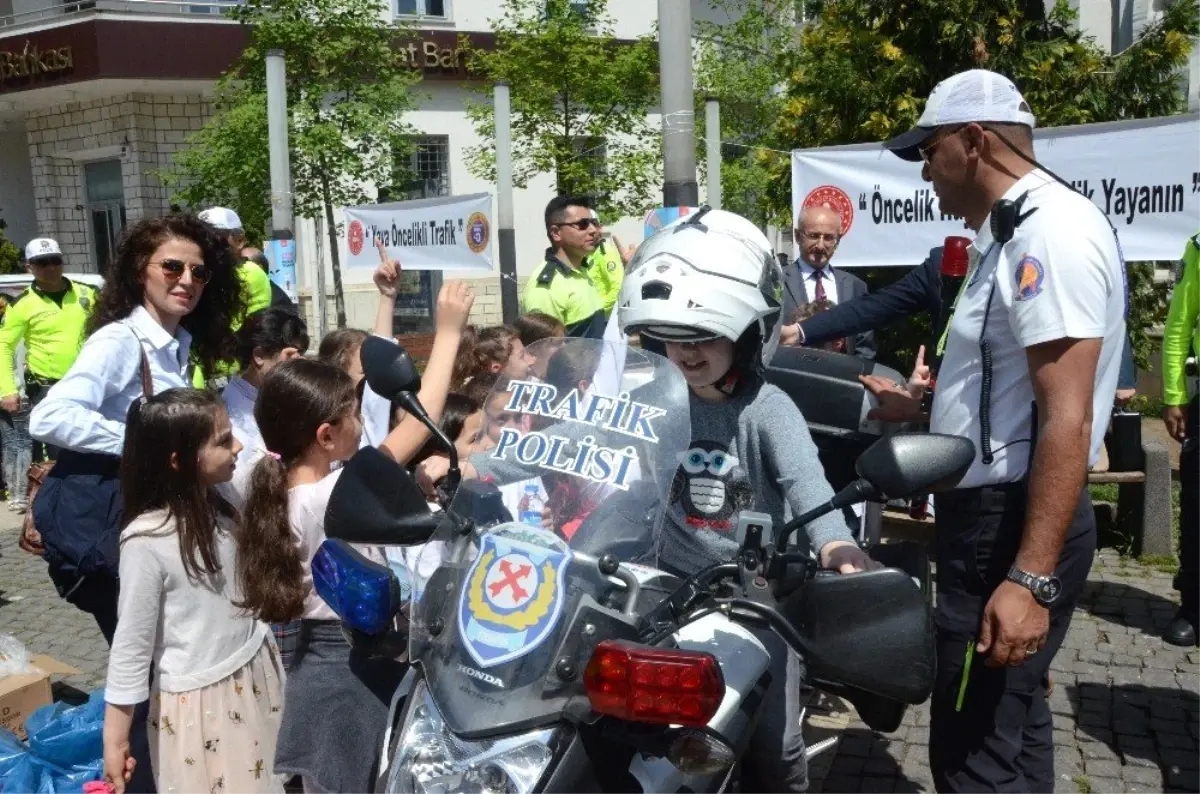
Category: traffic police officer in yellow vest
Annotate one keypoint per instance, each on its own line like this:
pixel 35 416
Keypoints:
pixel 49 316
pixel 256 284
pixel 606 266
pixel 1181 341
pixel 562 287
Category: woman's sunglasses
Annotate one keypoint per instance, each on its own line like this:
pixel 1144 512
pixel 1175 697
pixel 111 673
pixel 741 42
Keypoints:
pixel 173 269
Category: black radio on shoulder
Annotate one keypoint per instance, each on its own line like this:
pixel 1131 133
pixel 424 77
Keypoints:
pixel 1007 216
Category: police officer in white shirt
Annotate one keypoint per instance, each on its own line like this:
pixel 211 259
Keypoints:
pixel 1029 374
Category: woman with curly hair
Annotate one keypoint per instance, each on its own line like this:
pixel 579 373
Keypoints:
pixel 169 293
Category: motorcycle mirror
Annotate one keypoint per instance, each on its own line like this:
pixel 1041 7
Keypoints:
pixel 909 464
pixel 375 501
pixel 388 368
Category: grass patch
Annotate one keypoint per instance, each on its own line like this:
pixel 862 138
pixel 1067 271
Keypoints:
pixel 1160 562
pixel 1124 543
pixel 1082 783
pixel 1146 406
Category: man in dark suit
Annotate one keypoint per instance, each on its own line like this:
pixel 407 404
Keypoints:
pixel 919 290
pixel 811 278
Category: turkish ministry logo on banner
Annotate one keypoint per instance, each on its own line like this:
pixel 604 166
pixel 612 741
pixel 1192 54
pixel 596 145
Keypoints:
pixel 833 198
pixel 355 237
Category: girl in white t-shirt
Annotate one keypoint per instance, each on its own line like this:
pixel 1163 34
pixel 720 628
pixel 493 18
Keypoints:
pixel 337 697
pixel 218 686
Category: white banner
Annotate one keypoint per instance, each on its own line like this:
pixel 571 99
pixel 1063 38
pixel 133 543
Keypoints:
pixel 1144 174
pixel 445 233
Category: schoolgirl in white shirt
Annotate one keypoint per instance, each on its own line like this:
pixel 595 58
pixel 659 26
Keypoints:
pixel 267 338
pixel 307 411
pixel 217 696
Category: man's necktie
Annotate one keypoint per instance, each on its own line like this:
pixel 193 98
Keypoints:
pixel 819 292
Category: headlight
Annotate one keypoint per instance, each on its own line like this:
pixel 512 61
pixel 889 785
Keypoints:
pixel 432 760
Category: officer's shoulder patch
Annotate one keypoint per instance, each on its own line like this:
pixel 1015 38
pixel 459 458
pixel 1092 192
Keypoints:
pixel 1029 275
pixel 547 274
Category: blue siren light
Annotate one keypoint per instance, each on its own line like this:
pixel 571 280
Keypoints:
pixel 363 593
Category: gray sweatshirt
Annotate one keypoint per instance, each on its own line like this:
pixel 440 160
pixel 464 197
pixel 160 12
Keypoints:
pixel 751 452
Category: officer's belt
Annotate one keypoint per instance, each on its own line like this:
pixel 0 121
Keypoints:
pixel 986 497
pixel 33 377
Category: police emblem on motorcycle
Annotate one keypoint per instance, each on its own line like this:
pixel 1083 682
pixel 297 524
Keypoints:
pixel 514 594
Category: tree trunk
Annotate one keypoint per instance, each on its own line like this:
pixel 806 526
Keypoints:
pixel 335 257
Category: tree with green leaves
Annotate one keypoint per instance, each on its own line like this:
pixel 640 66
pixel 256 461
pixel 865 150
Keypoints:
pixel 864 68
pixel 740 63
pixel 11 260
pixel 348 90
pixel 579 103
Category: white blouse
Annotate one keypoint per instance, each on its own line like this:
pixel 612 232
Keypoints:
pixel 86 410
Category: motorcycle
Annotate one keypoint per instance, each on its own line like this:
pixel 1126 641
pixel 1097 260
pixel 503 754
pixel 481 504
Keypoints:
pixel 561 657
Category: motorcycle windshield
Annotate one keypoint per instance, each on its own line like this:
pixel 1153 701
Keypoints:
pixel 574 463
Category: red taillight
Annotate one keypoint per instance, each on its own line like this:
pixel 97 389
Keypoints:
pixel 644 684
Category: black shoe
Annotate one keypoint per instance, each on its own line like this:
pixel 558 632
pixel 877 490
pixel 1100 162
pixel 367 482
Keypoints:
pixel 1181 632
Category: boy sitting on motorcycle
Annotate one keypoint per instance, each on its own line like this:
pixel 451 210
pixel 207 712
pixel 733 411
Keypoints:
pixel 709 287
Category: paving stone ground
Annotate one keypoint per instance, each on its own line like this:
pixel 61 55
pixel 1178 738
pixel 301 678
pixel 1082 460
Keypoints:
pixel 1125 705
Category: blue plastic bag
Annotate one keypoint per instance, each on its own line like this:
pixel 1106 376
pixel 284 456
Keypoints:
pixel 65 749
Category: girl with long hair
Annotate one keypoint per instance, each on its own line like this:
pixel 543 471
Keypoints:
pixel 336 700
pixel 217 692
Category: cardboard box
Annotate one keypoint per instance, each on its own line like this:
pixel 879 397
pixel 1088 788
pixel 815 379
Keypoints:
pixel 21 695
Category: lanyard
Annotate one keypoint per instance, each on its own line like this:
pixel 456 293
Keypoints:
pixel 971 273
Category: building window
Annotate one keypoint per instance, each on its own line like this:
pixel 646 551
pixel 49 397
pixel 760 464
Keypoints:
pixel 578 7
pixel 589 152
pixel 421 8
pixel 421 172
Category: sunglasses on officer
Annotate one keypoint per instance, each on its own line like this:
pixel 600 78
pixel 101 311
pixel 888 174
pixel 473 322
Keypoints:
pixel 583 224
pixel 926 151
pixel 173 269
pixel 47 261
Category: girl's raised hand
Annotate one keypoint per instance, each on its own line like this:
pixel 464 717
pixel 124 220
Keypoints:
pixel 387 275
pixel 454 305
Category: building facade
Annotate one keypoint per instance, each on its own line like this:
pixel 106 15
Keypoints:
pixel 97 97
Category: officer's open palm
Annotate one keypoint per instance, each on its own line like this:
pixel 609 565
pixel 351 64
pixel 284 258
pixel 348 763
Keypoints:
pixel 1174 417
pixel 626 251
pixel 1014 626
pixel 454 305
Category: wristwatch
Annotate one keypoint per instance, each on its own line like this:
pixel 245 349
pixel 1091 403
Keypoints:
pixel 1045 589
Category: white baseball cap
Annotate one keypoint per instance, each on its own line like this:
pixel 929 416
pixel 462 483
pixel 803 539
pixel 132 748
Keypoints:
pixel 222 218
pixel 41 247
pixel 972 96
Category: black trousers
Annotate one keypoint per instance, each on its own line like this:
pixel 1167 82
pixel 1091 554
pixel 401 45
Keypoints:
pixel 993 731
pixel 36 390
pixel 1188 580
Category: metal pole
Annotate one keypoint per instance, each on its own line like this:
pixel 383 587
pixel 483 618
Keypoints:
pixel 504 203
pixel 678 108
pixel 277 137
pixel 321 311
pixel 712 133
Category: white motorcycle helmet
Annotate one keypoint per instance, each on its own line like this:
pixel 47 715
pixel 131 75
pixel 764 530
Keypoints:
pixel 708 275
